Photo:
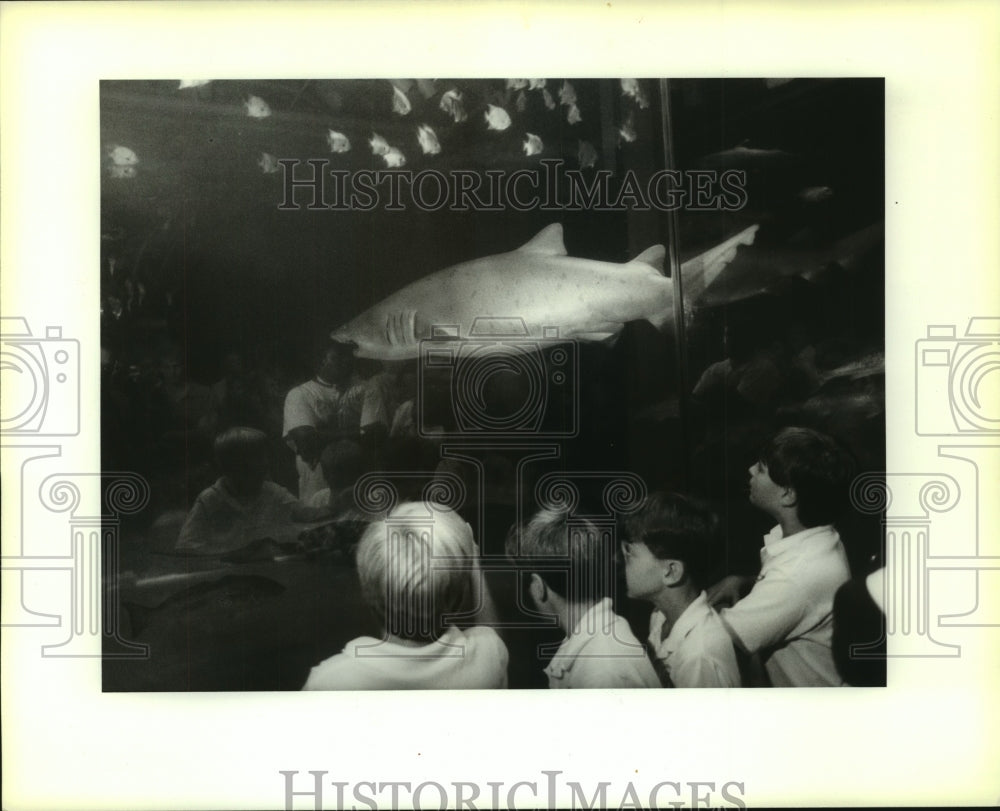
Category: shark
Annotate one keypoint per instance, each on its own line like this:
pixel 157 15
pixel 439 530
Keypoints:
pixel 536 291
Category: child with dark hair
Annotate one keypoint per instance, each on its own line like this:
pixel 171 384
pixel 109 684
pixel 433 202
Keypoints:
pixel 801 480
pixel 242 504
pixel 570 563
pixel 668 546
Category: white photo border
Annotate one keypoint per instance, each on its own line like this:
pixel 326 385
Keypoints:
pixel 929 738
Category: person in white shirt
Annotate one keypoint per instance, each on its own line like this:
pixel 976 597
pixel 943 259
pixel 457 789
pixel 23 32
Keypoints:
pixel 242 506
pixel 569 563
pixel 311 416
pixel 801 480
pixel 419 572
pixel 668 546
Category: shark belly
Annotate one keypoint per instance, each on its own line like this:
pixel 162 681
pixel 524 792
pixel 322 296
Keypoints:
pixel 576 297
pixel 535 291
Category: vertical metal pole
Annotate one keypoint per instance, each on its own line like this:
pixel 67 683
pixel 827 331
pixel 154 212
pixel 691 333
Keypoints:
pixel 673 254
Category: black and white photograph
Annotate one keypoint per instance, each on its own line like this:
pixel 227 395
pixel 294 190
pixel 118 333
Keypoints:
pixel 367 440
pixel 487 383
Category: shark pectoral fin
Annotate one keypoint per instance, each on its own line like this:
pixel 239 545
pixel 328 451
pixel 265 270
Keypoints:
pixel 653 257
pixel 547 242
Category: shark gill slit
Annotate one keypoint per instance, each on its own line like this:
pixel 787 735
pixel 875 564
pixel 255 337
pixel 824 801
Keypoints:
pixel 411 327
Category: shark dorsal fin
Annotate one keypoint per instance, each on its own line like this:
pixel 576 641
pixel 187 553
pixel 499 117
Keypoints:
pixel 547 242
pixel 653 257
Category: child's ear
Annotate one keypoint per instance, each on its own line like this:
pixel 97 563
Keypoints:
pixel 538 589
pixel 789 497
pixel 673 572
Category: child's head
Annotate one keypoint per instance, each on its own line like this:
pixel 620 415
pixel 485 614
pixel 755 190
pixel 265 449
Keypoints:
pixel 670 542
pixel 241 454
pixel 334 362
pixel 569 557
pixel 416 569
pixel 804 471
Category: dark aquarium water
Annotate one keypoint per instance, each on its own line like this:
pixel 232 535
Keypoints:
pixel 243 222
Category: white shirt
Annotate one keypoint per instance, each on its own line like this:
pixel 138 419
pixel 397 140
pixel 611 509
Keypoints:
pixel 602 651
pixel 788 614
pixel 698 651
pixel 312 404
pixel 220 522
pixel 473 659
pixel 316 405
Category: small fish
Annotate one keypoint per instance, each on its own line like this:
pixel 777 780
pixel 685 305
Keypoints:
pixel 337 141
pixel 627 133
pixel 114 307
pixel 865 366
pixel 268 163
pixel 567 94
pixel 257 107
pixel 536 84
pixel 517 84
pixel 586 154
pixel 744 157
pixel 122 172
pixel 497 118
pixel 122 156
pixel 185 83
pixel 379 145
pixel 631 87
pixel 550 103
pixel 427 87
pixel 533 145
pixel 573 115
pixel 451 103
pixel 400 103
pixel 428 140
pixel 394 158
pixel 522 102
pixel 815 194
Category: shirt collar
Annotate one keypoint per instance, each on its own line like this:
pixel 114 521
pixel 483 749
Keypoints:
pixel 686 623
pixel 598 619
pixel 775 543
